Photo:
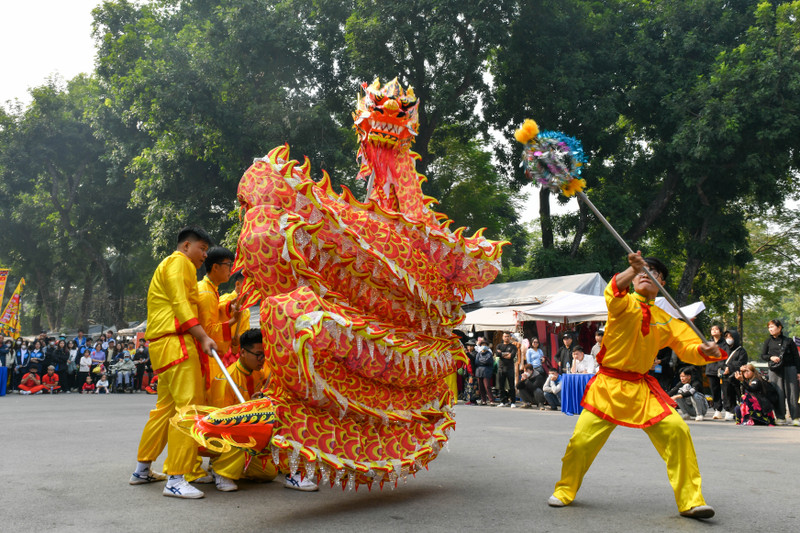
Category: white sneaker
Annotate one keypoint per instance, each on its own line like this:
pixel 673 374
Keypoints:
pixel 205 480
pixel 717 415
pixel 729 417
pixel 225 484
pixel 140 478
pixel 294 482
pixel 513 406
pixel 501 405
pixel 24 392
pixel 796 421
pixel 552 501
pixel 178 487
pixel 699 418
pixel 780 421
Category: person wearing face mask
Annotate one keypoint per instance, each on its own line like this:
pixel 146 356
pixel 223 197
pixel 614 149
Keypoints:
pixel 22 363
pixel 124 369
pixel 730 385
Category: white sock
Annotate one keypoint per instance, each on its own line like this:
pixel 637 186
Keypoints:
pixel 142 467
pixel 174 480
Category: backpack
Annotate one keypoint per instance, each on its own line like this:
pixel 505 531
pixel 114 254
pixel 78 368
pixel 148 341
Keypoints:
pixel 483 358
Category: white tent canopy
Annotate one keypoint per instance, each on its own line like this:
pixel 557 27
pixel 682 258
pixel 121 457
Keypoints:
pixel 536 291
pixel 572 307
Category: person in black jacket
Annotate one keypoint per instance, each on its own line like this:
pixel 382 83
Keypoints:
pixel 736 359
pixel 564 354
pixel 780 353
pixel 712 372
pixel 756 407
pixel 688 394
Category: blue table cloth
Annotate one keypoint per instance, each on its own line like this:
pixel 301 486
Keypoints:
pixel 3 380
pixel 572 388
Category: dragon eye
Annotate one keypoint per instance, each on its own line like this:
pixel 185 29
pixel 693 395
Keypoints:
pixel 401 114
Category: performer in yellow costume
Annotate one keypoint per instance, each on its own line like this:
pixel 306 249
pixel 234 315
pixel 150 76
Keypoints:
pixel 249 374
pixel 226 302
pixel 622 393
pixel 178 345
pixel 217 319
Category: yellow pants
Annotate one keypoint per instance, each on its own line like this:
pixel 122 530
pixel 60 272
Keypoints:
pixel 670 437
pixel 231 464
pixel 178 386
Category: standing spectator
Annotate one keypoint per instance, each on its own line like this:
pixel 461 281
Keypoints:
pixel 22 362
pixel 598 343
pixel 85 367
pixel 71 381
pixel 49 349
pixel 780 353
pixel 662 368
pixel 80 340
pixel 470 381
pixel 689 396
pixel 484 361
pixel 564 355
pixel 506 355
pixel 737 358
pixel 141 360
pixel 534 356
pixel 98 357
pixel 552 390
pixel 756 407
pixel 31 383
pixel 37 355
pixel 50 381
pixel 713 374
pixel 5 348
pixel 60 358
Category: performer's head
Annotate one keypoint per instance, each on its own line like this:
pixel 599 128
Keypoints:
pixel 642 283
pixel 194 242
pixel 219 261
pixel 238 281
pixel 252 349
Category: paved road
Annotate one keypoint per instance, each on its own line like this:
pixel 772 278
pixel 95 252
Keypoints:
pixel 67 460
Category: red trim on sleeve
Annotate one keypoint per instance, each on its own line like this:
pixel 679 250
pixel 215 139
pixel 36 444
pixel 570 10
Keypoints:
pixel 226 331
pixel 615 290
pixel 723 356
pixel 183 328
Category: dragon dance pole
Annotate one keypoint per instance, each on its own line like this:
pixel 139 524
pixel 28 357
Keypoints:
pixel 228 376
pixel 554 160
pixel 609 227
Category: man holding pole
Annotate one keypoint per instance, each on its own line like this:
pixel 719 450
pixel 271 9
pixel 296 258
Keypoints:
pixel 178 348
pixel 622 393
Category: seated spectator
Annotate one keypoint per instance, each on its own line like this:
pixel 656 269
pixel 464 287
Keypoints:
pixel 598 344
pixel 102 385
pixel 552 390
pixel 31 383
pixel 88 386
pixel 526 386
pixel 98 356
pixel 582 363
pixel 50 381
pixel 756 408
pixel 689 396
pixel 124 370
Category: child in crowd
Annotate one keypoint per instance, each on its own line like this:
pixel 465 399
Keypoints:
pixel 88 387
pixel 102 385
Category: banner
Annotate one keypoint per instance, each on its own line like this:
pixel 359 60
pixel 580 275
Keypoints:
pixel 3 277
pixel 9 320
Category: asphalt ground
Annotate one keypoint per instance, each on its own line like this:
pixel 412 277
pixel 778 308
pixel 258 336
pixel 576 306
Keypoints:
pixel 66 462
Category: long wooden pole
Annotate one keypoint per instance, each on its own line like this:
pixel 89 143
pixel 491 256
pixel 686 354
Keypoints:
pixel 628 249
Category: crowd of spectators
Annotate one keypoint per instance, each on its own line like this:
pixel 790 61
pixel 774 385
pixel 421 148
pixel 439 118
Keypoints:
pixel 52 365
pixel 518 373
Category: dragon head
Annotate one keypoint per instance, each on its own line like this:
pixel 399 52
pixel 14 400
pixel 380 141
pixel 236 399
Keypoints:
pixel 387 116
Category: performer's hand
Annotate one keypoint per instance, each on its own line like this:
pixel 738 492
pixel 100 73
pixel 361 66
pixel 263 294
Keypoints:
pixel 636 261
pixel 711 350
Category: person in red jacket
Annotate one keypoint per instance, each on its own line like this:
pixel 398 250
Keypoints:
pixel 31 383
pixel 50 381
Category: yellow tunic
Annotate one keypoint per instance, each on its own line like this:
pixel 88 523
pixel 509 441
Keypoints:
pixel 626 348
pixel 243 325
pixel 172 302
pixel 221 394
pixel 214 322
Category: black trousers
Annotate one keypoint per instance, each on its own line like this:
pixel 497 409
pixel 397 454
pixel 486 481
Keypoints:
pixel 716 392
pixel 505 384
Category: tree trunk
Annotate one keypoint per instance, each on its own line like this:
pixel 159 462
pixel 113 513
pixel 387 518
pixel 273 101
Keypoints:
pixel 693 263
pixel 86 300
pixel 580 230
pixel 36 319
pixel 545 221
pixel 654 210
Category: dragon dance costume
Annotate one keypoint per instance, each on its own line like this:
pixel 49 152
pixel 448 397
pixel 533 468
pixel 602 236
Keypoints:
pixel 359 300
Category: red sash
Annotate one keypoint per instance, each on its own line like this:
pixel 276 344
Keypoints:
pixel 650 381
